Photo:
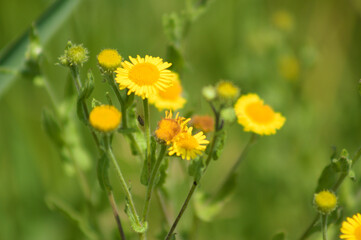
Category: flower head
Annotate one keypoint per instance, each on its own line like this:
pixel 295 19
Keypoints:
pixel 74 55
pixel 105 118
pixel 209 92
pixel 257 117
pixel 170 98
pixel 204 123
pixel 144 76
pixel 188 146
pixel 325 201
pixel 169 128
pixel 289 67
pixel 227 90
pixel 351 228
pixel 109 59
pixel 283 20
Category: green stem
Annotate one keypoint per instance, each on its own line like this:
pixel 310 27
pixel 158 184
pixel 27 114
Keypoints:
pixel 324 226
pixel 241 157
pixel 337 185
pixel 75 74
pixel 147 132
pixel 124 185
pixel 116 214
pixel 151 182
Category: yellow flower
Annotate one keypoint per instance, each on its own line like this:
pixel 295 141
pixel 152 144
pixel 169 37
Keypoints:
pixel 188 146
pixel 105 118
pixel 169 128
pixel 289 67
pixel 227 90
pixel 109 59
pixel 144 76
pixel 171 98
pixel 204 123
pixel 325 201
pixel 351 228
pixel 283 20
pixel 257 117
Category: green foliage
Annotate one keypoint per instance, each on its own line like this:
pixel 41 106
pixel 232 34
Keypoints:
pixel 52 128
pixel 103 172
pixel 219 145
pixel 195 169
pixel 206 210
pixel 279 236
pixel 84 94
pixel 162 173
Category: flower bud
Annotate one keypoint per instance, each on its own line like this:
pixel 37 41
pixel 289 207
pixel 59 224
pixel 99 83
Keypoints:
pixel 325 201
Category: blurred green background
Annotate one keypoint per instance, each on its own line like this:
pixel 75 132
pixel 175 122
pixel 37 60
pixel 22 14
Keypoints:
pixel 301 56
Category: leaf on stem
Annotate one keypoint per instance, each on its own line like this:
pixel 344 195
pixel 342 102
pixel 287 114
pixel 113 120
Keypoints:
pixel 103 172
pixel 195 169
pixel 219 145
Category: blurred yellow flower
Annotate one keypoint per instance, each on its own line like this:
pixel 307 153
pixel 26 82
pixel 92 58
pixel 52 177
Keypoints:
pixel 257 117
pixel 227 90
pixel 283 20
pixel 188 146
pixel 204 123
pixel 171 98
pixel 144 76
pixel 109 59
pixel 105 118
pixel 289 67
pixel 169 128
pixel 325 201
pixel 351 228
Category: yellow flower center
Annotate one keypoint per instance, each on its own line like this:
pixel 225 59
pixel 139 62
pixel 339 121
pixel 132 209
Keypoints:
pixel 167 129
pixel 187 141
pixel 109 59
pixel 171 93
pixel 260 113
pixel 105 118
pixel 357 232
pixel 144 74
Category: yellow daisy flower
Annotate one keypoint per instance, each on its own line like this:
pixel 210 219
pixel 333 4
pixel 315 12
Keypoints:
pixel 169 128
pixel 109 59
pixel 105 118
pixel 227 90
pixel 171 98
pixel 144 76
pixel 257 117
pixel 325 201
pixel 188 146
pixel 351 228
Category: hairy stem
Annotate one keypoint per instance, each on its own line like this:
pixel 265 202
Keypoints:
pixel 147 132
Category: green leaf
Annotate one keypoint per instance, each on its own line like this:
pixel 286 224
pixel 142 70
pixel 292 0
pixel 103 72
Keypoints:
pixel 228 187
pixel 195 169
pixel 58 205
pixel 133 222
pixel 175 56
pixel 206 210
pixel 219 145
pixel 52 128
pixel 129 99
pixel 279 236
pixel 328 178
pixel 103 173
pixel 162 173
pixel 13 56
pixel 144 176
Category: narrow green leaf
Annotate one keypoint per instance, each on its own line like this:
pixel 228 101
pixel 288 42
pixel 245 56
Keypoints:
pixel 13 56
pixel 219 145
pixel 195 169
pixel 103 173
pixel 52 128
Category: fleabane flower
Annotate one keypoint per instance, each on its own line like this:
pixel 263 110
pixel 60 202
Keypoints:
pixel 227 90
pixel 169 127
pixel 325 201
pixel 109 60
pixel 105 118
pixel 188 146
pixel 257 117
pixel 204 123
pixel 144 76
pixel 351 228
pixel 170 98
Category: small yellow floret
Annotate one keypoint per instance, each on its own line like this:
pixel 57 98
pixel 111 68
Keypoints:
pixel 283 20
pixel 105 118
pixel 109 59
pixel 227 90
pixel 169 128
pixel 325 201
pixel 351 228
